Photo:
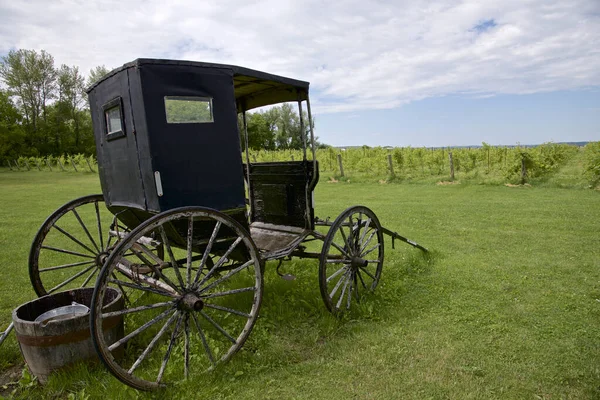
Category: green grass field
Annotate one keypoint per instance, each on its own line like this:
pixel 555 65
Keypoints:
pixel 507 307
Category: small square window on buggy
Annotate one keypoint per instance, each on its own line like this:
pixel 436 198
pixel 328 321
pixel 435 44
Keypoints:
pixel 188 109
pixel 113 118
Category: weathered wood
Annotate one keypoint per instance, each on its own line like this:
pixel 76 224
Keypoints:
pixel 89 165
pixel 61 165
pixel 339 158
pixel 48 346
pixel 17 164
pixel 451 165
pixel 48 164
pixel 73 164
pixel 26 162
pixel 37 162
pixel 391 164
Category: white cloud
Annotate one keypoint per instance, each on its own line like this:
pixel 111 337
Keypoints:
pixel 356 54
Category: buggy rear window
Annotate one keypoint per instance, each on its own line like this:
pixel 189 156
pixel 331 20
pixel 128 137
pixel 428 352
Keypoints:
pixel 188 109
pixel 113 119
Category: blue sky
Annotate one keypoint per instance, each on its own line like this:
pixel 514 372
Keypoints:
pixel 455 120
pixel 419 73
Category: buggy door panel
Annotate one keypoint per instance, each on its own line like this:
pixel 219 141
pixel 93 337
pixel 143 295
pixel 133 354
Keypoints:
pixel 118 164
pixel 199 163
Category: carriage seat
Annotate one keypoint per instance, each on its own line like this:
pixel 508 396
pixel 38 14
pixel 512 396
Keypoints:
pixel 278 202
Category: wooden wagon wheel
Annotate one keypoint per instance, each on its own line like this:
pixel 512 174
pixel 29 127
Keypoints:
pixel 351 259
pixel 71 246
pixel 196 314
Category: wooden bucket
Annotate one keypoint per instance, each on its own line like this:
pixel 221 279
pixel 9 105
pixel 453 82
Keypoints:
pixel 54 344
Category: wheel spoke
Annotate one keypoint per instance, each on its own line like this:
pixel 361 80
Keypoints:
pixel 364 246
pixel 220 262
pixel 337 261
pixel 152 343
pixel 87 232
pixel 351 282
pixel 190 236
pixel 87 280
pixel 139 287
pixel 229 275
pixel 218 327
pixel 336 273
pixel 65 266
pixel 137 309
pixel 186 348
pixel 174 262
pixel 337 285
pixel 209 246
pixel 169 349
pixel 139 330
pixel 99 225
pixel 227 309
pixel 229 292
pixel 74 253
pixel 337 246
pixel 346 243
pixel 362 237
pixel 368 273
pixel 71 279
pixel 337 306
pixel 138 249
pixel 371 250
pixel 204 342
pixel 361 280
pixel 73 238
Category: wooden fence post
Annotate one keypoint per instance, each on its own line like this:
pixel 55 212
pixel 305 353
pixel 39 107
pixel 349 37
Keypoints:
pixel 339 157
pixel 37 162
pixel 391 164
pixel 17 164
pixel 451 165
pixel 61 165
pixel 48 164
pixel 73 164
pixel 9 165
pixel 523 171
pixel 26 162
pixel 89 166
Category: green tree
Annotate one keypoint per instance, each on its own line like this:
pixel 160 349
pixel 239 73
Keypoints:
pixel 96 74
pixel 12 137
pixel 31 78
pixel 71 99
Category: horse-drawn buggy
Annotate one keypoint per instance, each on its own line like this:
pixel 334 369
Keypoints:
pixel 183 226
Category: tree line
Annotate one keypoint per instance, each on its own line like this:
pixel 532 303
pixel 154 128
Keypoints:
pixel 44 111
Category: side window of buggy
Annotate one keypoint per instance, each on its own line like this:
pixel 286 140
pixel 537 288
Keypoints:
pixel 113 119
pixel 188 109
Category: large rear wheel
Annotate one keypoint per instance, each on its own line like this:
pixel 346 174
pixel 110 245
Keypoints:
pixel 195 310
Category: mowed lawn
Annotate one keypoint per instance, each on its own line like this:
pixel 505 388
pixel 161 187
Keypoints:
pixel 507 306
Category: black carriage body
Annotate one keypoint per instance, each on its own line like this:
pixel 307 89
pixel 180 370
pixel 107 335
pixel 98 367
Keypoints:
pixel 150 161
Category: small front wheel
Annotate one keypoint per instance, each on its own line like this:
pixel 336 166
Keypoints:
pixel 351 259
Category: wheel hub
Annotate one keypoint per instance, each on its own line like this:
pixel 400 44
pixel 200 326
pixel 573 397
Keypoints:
pixel 358 262
pixel 101 258
pixel 190 302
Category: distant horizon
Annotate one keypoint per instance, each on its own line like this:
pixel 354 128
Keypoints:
pixel 579 144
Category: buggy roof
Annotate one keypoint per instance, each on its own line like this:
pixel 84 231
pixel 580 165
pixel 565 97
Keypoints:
pixel 251 88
